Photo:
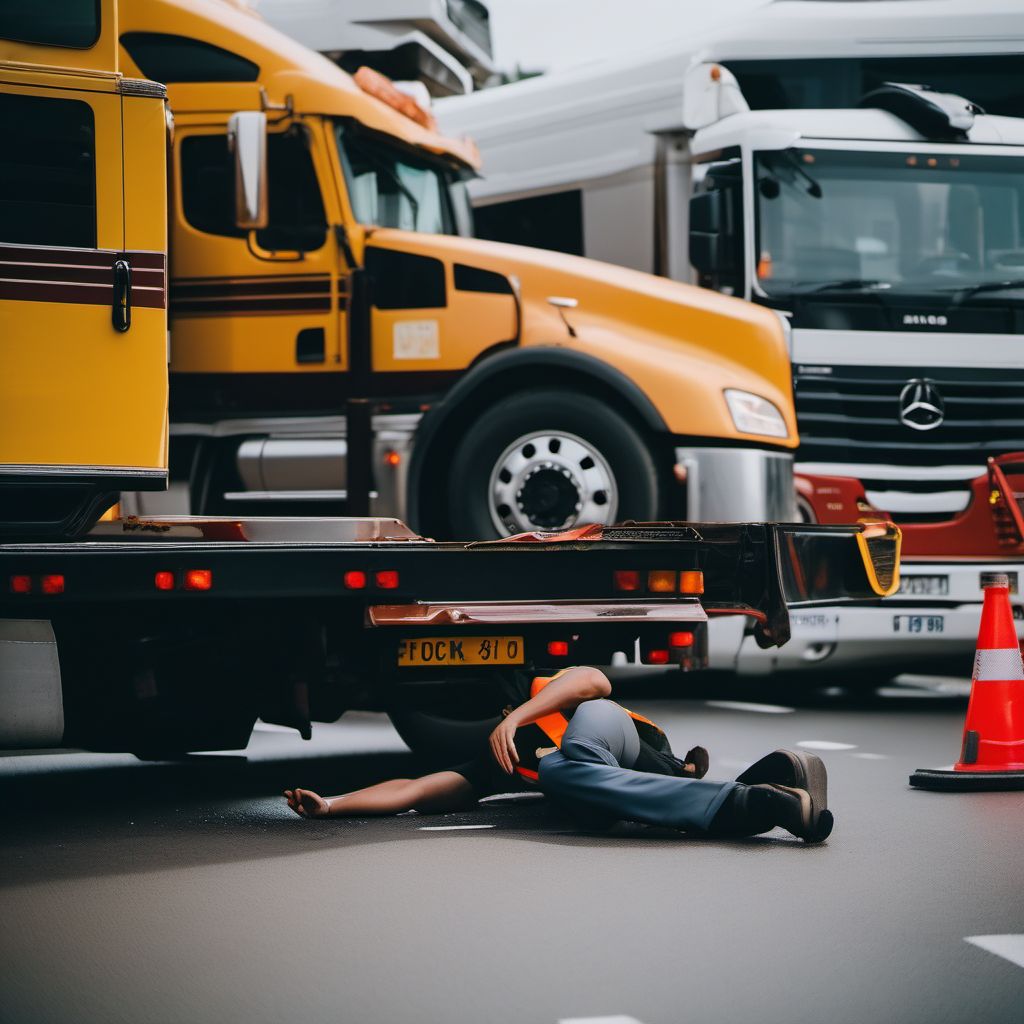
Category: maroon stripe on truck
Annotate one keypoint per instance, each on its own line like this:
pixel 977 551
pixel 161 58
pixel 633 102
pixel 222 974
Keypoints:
pixel 226 296
pixel 86 276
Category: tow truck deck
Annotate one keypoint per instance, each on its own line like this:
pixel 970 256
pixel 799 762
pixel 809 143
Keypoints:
pixel 176 633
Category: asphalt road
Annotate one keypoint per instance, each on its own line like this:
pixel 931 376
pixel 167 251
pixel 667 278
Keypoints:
pixel 189 893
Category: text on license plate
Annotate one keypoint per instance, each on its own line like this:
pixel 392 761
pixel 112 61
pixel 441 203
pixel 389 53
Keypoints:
pixel 924 586
pixel 918 623
pixel 462 650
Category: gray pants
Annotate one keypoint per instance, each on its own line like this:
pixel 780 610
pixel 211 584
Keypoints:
pixel 591 776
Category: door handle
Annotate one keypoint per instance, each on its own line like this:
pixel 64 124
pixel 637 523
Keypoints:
pixel 121 313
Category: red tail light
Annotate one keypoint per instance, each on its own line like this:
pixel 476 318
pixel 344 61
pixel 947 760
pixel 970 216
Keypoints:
pixel 658 657
pixel 626 579
pixel 52 584
pixel 662 581
pixel 21 584
pixel 163 580
pixel 354 579
pixel 558 648
pixel 199 579
pixel 386 579
pixel 681 639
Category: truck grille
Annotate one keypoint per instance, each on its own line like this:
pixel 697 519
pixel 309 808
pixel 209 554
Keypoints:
pixel 853 415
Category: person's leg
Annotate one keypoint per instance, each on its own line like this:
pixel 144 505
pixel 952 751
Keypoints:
pixel 597 787
pixel 432 794
pixel 600 730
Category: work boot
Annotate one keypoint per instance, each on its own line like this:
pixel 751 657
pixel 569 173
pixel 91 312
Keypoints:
pixel 798 812
pixel 789 768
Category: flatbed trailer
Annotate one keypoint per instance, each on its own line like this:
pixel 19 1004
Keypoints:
pixel 162 636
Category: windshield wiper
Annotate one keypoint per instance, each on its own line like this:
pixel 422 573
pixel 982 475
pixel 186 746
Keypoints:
pixel 987 286
pixel 849 284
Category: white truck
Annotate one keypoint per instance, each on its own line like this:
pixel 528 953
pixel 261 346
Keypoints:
pixel 443 44
pixel 889 236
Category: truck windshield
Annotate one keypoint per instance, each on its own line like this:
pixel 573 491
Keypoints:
pixel 911 221
pixel 390 187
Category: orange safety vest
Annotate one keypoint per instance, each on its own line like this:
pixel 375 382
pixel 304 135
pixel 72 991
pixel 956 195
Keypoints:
pixel 554 725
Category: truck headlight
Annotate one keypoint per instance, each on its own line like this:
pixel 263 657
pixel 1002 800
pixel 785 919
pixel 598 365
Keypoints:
pixel 753 414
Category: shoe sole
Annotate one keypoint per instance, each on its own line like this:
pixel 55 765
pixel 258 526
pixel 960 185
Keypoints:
pixel 817 820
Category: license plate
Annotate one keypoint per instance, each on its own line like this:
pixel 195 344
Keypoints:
pixel 924 586
pixel 918 623
pixel 461 650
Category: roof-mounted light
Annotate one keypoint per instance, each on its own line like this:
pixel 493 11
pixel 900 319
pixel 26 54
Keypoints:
pixel 380 87
pixel 938 116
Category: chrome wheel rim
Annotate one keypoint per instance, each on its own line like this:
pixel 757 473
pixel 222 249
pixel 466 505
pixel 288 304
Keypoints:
pixel 551 480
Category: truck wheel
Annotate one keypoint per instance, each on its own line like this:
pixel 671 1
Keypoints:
pixel 442 741
pixel 549 460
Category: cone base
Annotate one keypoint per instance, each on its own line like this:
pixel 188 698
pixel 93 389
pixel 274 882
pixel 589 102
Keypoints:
pixel 949 781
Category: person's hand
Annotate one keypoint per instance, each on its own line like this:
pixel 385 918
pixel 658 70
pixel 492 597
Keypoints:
pixel 503 745
pixel 306 803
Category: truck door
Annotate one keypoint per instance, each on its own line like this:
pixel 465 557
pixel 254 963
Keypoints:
pixel 83 344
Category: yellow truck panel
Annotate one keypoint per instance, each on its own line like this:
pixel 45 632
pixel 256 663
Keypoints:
pixel 83 322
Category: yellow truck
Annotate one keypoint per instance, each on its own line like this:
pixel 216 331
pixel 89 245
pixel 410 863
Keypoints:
pixel 83 321
pixel 339 342
pixel 165 635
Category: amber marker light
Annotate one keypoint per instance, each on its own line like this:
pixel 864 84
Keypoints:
pixel 392 459
pixel 354 579
pixel 199 579
pixel 691 582
pixel 386 579
pixel 661 581
pixel 163 580
pixel 626 579
pixel 52 584
pixel 21 584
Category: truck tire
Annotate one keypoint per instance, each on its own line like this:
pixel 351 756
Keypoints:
pixel 442 742
pixel 549 460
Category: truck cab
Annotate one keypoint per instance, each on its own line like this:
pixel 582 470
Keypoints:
pixel 83 238
pixel 347 346
pixel 891 237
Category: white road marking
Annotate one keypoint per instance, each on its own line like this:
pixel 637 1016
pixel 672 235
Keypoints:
pixel 271 727
pixel 825 745
pixel 510 798
pixel 872 757
pixel 450 828
pixel 731 762
pixel 739 705
pixel 1009 947
pixel 619 1018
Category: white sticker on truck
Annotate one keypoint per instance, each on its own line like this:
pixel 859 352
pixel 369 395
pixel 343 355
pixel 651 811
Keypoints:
pixel 417 339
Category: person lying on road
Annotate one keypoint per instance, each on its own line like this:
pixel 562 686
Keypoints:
pixel 602 770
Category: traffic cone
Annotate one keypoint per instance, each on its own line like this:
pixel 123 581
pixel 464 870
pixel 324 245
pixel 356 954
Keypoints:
pixel 992 753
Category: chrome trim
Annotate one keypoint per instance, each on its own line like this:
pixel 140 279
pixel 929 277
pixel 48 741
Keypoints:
pixel 738 485
pixel 881 471
pixel 910 501
pixel 33 469
pixel 471 613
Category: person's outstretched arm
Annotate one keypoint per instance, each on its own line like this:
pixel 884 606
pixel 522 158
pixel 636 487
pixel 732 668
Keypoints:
pixel 431 794
pixel 565 693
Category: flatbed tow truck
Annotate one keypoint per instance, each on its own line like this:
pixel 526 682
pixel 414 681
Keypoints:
pixel 162 636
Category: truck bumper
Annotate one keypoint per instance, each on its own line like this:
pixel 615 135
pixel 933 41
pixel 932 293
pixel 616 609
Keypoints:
pixel 902 633
pixel 737 485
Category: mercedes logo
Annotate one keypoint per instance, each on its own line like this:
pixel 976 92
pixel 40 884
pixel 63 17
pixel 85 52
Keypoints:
pixel 921 405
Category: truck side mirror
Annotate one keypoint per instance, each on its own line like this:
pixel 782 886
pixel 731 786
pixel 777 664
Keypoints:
pixel 707 218
pixel 247 140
